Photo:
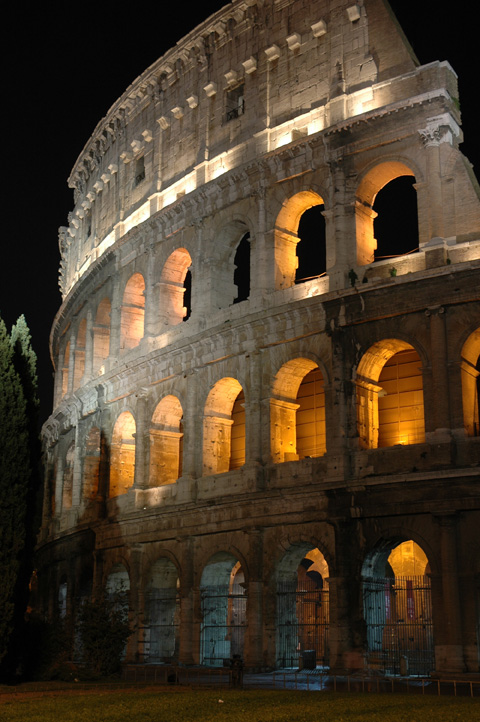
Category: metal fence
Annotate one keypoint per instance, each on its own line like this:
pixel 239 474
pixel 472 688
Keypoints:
pixel 223 623
pixel 302 624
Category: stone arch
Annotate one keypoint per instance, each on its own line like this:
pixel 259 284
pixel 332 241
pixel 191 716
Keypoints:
pixel 297 412
pixel 166 442
pixel 372 182
pixel 230 271
pixel 67 489
pixel 91 464
pixel 302 607
pixel 223 609
pixel 173 288
pixel 470 373
pixel 161 612
pixel 286 235
pixel 132 313
pixel 101 335
pixel 122 455
pixel 397 607
pixel 390 408
pixel 80 344
pixel 218 421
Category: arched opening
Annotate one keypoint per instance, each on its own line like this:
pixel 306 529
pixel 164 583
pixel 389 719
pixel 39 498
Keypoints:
pixel 175 288
pixel 287 236
pixel 297 412
pixel 133 313
pixel 241 275
pixel 470 371
pixel 223 608
pixel 311 247
pixel 122 457
pixel 101 335
pixel 67 492
pixel 302 610
pixel 397 205
pixel 166 436
pixel 162 613
pixel 390 407
pixel 79 366
pixel 65 367
pixel 398 609
pixel 396 224
pixel 218 425
pixel 62 598
pixel 91 464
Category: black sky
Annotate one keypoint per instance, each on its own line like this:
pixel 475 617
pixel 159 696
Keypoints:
pixel 65 66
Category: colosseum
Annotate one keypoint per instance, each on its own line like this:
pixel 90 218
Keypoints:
pixel 265 430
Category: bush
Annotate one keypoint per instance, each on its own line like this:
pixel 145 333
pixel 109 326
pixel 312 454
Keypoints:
pixel 102 632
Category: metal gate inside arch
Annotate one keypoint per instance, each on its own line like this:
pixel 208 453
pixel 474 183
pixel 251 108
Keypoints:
pixel 223 622
pixel 398 613
pixel 302 626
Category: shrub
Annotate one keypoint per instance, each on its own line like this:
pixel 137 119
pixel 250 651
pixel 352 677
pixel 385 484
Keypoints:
pixel 103 630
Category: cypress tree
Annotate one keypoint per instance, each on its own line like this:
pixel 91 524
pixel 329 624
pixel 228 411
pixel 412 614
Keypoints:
pixel 14 483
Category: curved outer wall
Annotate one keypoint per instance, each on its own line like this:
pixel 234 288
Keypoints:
pixel 157 469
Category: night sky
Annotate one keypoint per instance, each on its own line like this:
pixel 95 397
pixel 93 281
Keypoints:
pixel 67 65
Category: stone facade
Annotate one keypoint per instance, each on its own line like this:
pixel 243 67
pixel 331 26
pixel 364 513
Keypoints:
pixel 268 465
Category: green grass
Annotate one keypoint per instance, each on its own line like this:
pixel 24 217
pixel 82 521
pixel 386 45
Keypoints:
pixel 203 705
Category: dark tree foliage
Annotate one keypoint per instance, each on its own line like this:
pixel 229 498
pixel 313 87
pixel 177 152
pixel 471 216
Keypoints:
pixel 103 631
pixel 15 477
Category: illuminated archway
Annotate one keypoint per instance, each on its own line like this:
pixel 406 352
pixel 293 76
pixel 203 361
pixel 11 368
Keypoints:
pixel 470 370
pixel 302 608
pixel 297 412
pixel 172 306
pixel 79 366
pixel 133 313
pixel 162 613
pixel 101 334
pixel 398 609
pixel 223 609
pixel 122 456
pixel 287 238
pixel 166 437
pixel 376 179
pixel 217 428
pixel 390 407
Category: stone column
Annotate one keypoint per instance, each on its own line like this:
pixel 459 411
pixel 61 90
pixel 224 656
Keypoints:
pixel 151 296
pixel 142 439
pixel 255 441
pixel 449 659
pixel 187 598
pixel 253 650
pixel 115 320
pixel 71 364
pixel 59 481
pixel 343 411
pixel 440 408
pixel 135 641
pixel 342 233
pixel 89 347
pixel 77 466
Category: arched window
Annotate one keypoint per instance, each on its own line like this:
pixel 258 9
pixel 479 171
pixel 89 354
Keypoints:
pixel 241 275
pixel 397 609
pixel 297 412
pixel 390 408
pixel 122 456
pixel 175 288
pixel 166 435
pixel 311 242
pixel 396 224
pixel 400 203
pixel 217 428
pixel 101 334
pixel 302 614
pixel 79 368
pixel 470 369
pixel 311 247
pixel 67 492
pixel 133 312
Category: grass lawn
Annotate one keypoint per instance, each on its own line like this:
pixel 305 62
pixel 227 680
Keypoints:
pixel 203 705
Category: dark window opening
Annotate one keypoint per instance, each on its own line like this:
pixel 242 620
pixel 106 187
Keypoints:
pixel 235 103
pixel 139 170
pixel 187 297
pixel 241 275
pixel 311 248
pixel 396 226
